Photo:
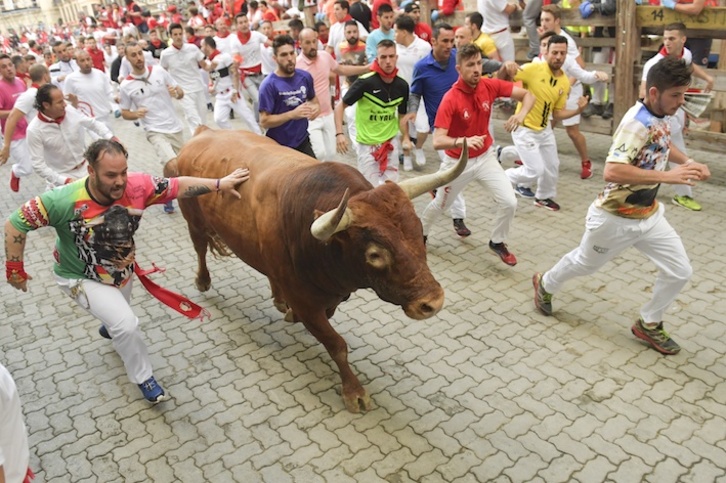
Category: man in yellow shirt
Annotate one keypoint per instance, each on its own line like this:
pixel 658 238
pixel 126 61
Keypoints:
pixel 535 141
pixel 485 43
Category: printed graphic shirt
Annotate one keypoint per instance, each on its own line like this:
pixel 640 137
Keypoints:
pixel 279 95
pixel 94 241
pixel 378 102
pixel 641 140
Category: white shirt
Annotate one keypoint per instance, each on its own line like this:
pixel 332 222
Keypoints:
pixel 336 35
pixel 494 17
pixel 250 51
pixel 221 76
pixel 93 90
pixel 60 69
pixel 125 68
pixel 687 57
pixel 56 150
pixel 572 51
pixel 150 91
pixel 268 61
pixel 25 103
pixel 14 452
pixel 183 65
pixel 224 45
pixel 408 56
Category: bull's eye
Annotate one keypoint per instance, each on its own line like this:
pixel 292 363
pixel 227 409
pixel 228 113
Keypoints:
pixel 377 256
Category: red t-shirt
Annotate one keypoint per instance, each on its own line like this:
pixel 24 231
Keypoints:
pixel 466 112
pixel 423 31
pixel 97 57
pixel 374 12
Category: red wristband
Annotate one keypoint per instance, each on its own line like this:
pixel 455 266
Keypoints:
pixel 15 269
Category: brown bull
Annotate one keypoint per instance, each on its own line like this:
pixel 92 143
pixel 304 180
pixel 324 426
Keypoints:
pixel 315 255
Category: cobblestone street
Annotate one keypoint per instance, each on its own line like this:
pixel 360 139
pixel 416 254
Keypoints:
pixel 487 390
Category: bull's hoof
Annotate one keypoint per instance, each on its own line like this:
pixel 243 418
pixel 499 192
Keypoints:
pixel 203 283
pixel 290 316
pixel 358 401
pixel 281 306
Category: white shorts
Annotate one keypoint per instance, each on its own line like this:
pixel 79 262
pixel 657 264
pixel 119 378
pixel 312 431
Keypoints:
pixel 575 94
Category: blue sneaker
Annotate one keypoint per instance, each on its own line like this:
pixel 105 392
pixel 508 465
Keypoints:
pixel 104 332
pixel 524 192
pixel 169 207
pixel 152 391
pixel 117 113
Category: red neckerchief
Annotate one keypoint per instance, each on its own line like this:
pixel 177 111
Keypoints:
pixel 244 38
pixel 664 52
pixel 377 69
pixel 347 17
pixel 157 44
pixel 35 85
pixel 50 120
pixel 214 54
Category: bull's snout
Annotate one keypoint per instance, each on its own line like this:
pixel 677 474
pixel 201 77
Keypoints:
pixel 426 306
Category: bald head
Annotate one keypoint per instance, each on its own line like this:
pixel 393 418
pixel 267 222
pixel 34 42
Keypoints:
pixel 309 43
pixel 84 61
pixel 39 74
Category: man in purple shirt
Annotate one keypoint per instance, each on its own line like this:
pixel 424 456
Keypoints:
pixel 287 99
pixel 10 88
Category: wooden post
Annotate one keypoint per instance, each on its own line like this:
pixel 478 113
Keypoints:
pixel 627 53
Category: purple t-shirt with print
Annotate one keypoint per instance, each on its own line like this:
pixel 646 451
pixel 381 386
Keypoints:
pixel 279 95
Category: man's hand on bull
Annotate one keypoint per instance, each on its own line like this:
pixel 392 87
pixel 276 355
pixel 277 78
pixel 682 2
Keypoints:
pixel 190 187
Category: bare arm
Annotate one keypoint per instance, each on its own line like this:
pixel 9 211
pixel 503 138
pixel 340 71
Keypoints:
pixel 190 186
pixel 694 8
pixel 560 114
pixel 14 251
pixel 442 140
pixel 304 110
pixel 352 69
pixel 700 72
pixel 341 142
pixel 15 116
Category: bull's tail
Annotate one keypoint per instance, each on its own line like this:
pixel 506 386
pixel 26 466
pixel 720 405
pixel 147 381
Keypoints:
pixel 217 246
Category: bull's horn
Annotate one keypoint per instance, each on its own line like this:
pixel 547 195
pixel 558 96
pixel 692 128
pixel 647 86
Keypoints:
pixel 423 184
pixel 333 221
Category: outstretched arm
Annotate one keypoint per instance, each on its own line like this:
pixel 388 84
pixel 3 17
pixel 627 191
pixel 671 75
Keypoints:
pixel 14 251
pixel 190 187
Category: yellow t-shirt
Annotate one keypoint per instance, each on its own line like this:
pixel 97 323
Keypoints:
pixel 486 44
pixel 551 93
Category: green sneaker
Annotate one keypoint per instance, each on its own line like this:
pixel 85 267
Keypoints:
pixel 656 337
pixel 687 202
pixel 542 299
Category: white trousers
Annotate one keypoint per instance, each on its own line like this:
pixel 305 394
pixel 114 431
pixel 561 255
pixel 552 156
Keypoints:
pixel 505 44
pixel 599 88
pixel 322 137
pixel 458 206
pixel 371 169
pixel 223 104
pixel 678 124
pixel 251 86
pixel 22 165
pixel 111 306
pixel 572 98
pixel 486 169
pixel 540 161
pixel 166 145
pixel 607 235
pixel 194 105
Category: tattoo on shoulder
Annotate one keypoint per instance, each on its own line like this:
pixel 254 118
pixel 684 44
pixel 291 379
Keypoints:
pixel 196 191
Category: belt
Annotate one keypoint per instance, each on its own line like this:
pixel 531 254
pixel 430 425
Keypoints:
pixel 498 31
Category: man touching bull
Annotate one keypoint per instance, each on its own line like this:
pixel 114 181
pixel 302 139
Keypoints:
pixel 95 220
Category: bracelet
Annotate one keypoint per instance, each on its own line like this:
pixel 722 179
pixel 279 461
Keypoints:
pixel 15 271
pixel 689 161
pixel 216 185
pixel 339 134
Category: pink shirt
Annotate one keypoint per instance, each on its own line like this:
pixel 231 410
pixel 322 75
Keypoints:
pixel 9 92
pixel 320 69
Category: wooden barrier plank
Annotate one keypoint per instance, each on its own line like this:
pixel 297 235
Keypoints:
pixel 627 51
pixel 711 18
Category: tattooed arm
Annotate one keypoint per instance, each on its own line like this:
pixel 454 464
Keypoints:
pixel 14 249
pixel 189 187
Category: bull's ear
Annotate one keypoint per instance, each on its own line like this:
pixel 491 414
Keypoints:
pixel 329 223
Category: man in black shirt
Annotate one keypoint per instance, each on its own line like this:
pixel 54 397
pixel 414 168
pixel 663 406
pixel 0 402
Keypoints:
pixel 116 64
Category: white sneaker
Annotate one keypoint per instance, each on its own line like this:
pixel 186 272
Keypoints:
pixel 407 164
pixel 420 158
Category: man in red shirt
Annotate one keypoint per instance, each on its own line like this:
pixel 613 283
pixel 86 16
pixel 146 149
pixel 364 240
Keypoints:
pixel 374 12
pixel 97 55
pixel 422 29
pixel 464 115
